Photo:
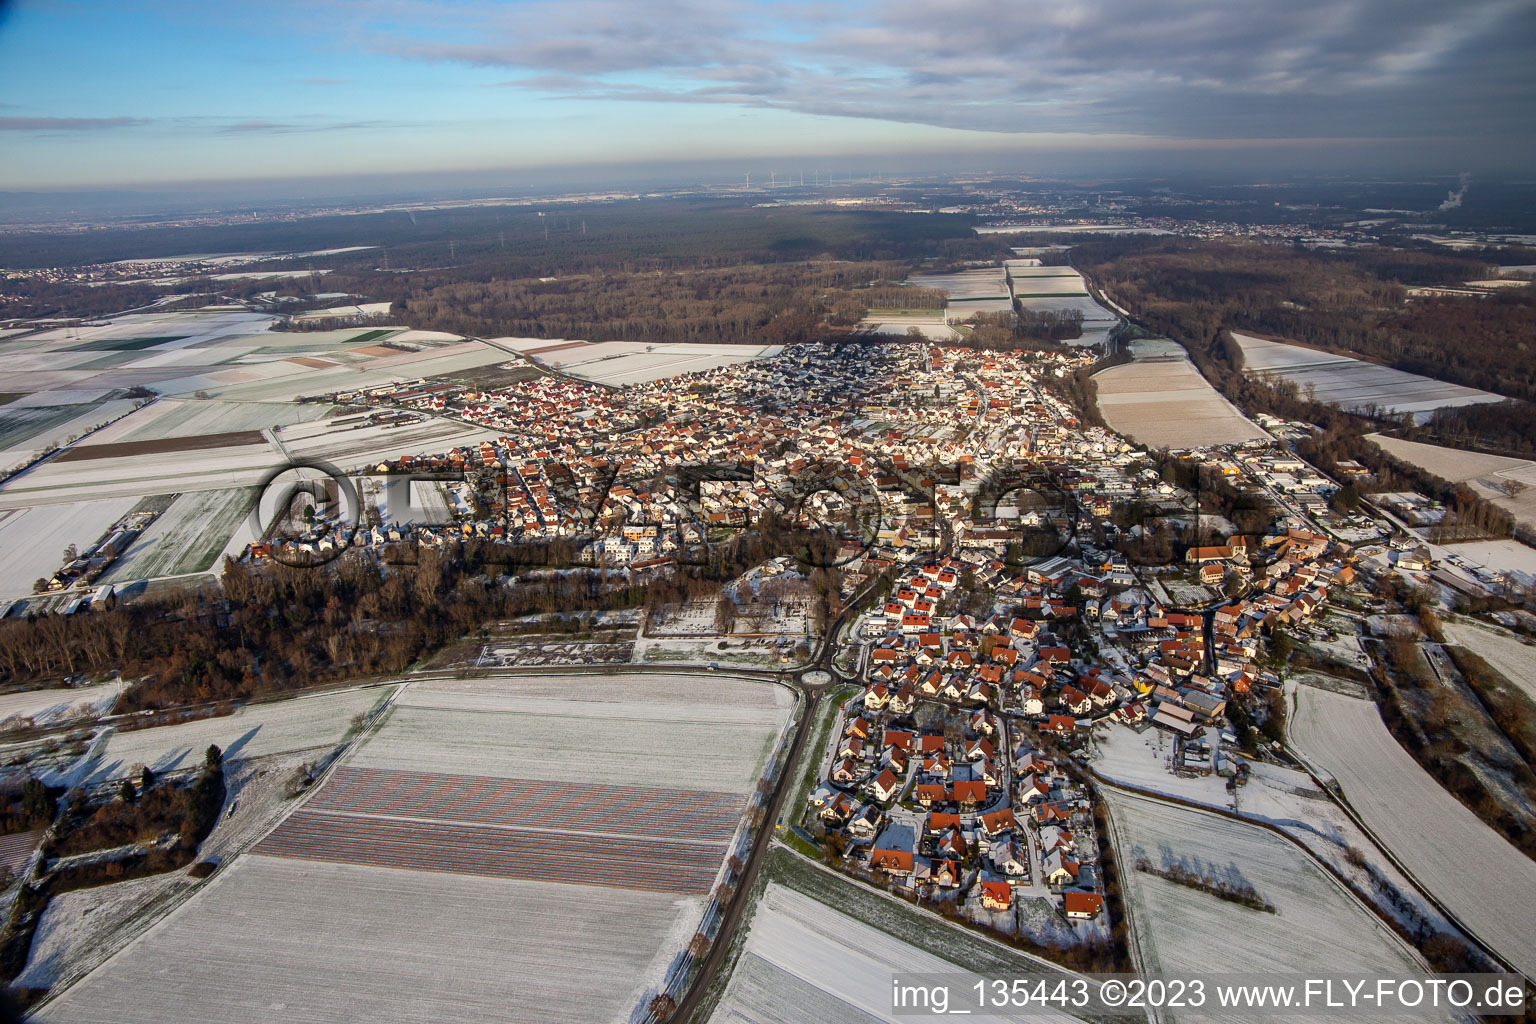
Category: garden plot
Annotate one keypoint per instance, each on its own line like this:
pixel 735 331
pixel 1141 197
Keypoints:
pixel 32 540
pixel 554 651
pixel 1317 925
pixel 16 849
pixel 186 538
pixel 1353 383
pixel 256 730
pixel 805 963
pixel 1162 401
pixel 273 938
pixel 1428 830
pixel 45 707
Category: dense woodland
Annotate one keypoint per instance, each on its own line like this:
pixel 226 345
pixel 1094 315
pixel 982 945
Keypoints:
pixel 765 305
pixel 274 628
pixel 1352 301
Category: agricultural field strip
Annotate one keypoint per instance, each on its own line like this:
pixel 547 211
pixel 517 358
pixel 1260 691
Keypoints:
pixel 275 727
pixel 601 709
pixel 52 703
pixel 1353 382
pixel 644 752
pixel 1317 924
pixel 628 862
pixel 847 960
pixel 654 690
pixel 16 849
pixel 1509 655
pixel 531 803
pixel 762 993
pixel 273 939
pixel 1428 830
pixel 554 824
pixel 185 538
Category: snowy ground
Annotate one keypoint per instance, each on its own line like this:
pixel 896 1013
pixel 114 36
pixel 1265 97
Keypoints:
pixel 81 929
pixel 1317 925
pixel 633 362
pixel 47 707
pixel 716 743
pixel 805 963
pixel 1353 383
pixel 1425 827
pixel 276 727
pixel 186 538
pixel 275 939
pixel 1167 403
pixel 1512 656
pixel 32 540
pixel 1278 796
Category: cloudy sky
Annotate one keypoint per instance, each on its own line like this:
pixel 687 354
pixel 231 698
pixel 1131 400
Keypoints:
pixel 103 93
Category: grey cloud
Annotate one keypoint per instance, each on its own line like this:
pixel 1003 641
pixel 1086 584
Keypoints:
pixel 290 128
pixel 1179 68
pixel 67 124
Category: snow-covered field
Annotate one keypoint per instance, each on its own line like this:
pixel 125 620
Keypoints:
pixel 979 283
pixel 1283 797
pixel 132 476
pixel 1165 402
pixel 715 743
pixel 360 309
pixel 633 362
pixel 1317 925
pixel 32 540
pixel 274 939
pixel 1498 555
pixel 352 447
pixel 44 707
pixel 1046 281
pixel 171 417
pixel 1510 655
pixel 805 963
pixel 1494 477
pixel 185 538
pixel 275 727
pixel 1488 884
pixel 1353 383
pixel 25 430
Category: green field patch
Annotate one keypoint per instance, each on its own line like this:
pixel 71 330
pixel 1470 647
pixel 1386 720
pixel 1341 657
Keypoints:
pixel 18 426
pixel 156 503
pixel 1050 295
pixel 372 335
pixel 125 344
pixel 916 311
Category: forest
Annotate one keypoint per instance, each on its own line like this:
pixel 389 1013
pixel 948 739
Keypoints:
pixel 765 305
pixel 1352 301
